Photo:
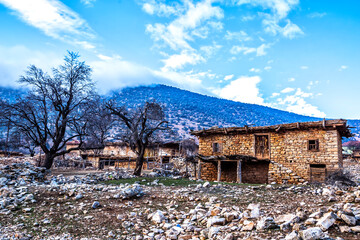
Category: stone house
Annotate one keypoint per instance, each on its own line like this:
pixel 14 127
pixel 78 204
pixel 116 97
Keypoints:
pixel 285 153
pixel 119 155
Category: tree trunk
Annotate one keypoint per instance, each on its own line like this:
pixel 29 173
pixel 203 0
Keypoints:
pixel 139 164
pixel 49 159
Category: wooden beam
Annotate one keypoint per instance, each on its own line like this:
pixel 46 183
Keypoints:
pixel 239 180
pixel 219 171
pixel 199 170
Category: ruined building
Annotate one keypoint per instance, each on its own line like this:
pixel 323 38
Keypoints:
pixel 286 153
pixel 119 155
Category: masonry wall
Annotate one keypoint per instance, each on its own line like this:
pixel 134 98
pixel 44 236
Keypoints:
pixel 209 171
pixel 255 172
pixel 289 152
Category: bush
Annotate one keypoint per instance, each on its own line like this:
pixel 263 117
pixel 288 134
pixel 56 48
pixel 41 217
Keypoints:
pixel 341 178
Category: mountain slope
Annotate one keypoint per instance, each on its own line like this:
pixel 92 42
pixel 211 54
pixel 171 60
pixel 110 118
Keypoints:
pixel 187 110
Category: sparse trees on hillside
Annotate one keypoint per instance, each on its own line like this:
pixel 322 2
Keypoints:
pixel 55 109
pixel 140 126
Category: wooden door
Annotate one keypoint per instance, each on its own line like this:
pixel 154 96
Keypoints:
pixel 262 146
pixel 317 173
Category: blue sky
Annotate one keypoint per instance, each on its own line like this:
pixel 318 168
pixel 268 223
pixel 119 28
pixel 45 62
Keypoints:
pixel 297 55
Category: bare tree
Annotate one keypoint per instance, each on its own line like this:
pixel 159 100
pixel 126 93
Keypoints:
pixel 21 142
pixel 140 126
pixel 54 110
pixel 188 148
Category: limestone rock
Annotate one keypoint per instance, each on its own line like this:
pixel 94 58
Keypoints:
pixel 349 220
pixel 266 223
pixel 95 205
pixel 312 234
pixel 157 217
pixel 326 221
pixel 215 221
pixel 293 236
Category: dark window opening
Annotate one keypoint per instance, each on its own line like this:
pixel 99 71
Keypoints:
pixel 313 145
pixel 216 147
pixel 165 160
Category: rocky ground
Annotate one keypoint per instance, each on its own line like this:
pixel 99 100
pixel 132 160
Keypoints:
pixel 114 205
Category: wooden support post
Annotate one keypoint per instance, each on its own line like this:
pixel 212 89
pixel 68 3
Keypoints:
pixel 219 171
pixel 199 170
pixel 194 163
pixel 129 163
pixel 239 180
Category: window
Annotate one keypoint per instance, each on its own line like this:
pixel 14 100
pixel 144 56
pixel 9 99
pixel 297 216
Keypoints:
pixel 262 147
pixel 216 147
pixel 313 145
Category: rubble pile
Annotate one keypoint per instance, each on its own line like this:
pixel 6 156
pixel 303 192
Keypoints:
pixel 159 172
pixel 15 180
pixel 60 207
pixel 186 168
pixel 4 161
pixel 92 178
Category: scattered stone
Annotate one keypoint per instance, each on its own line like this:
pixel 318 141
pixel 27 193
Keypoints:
pixel 327 221
pixel 95 205
pixel 313 233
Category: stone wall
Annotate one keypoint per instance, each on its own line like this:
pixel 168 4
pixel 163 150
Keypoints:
pixel 208 171
pixel 289 149
pixel 228 172
pixel 255 172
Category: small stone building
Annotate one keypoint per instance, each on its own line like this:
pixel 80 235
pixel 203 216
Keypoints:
pixel 286 153
pixel 119 155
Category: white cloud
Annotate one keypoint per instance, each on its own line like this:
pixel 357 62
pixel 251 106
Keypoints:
pixel 159 8
pixel 178 61
pixel 291 30
pixel 88 3
pixel 210 50
pixel 245 50
pixel 248 18
pixel 291 79
pixel 256 70
pixel 287 90
pixel 53 18
pixel 239 36
pixel 243 89
pixel 296 102
pixel 267 68
pixel 260 51
pixel 14 61
pixel 275 94
pixel 228 77
pixel 304 67
pixel 279 12
pixel 343 67
pixel 317 15
pixel 178 33
pixel 113 72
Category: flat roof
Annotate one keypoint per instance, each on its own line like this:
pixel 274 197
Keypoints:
pixel 337 124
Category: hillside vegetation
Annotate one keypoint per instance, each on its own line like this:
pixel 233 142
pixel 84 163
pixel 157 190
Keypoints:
pixel 187 111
